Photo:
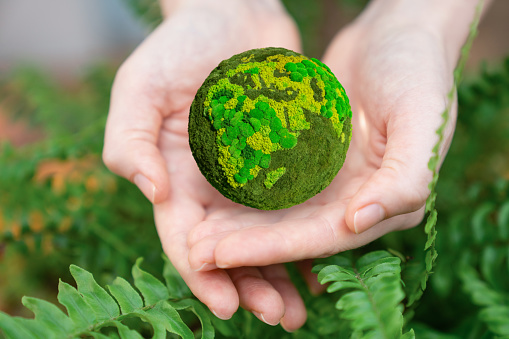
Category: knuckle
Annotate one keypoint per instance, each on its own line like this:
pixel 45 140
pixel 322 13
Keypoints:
pixel 112 161
pixel 108 159
pixel 414 219
pixel 413 189
pixel 416 198
pixel 195 235
pixel 332 231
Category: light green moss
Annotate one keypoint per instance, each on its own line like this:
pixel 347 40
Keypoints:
pixel 273 176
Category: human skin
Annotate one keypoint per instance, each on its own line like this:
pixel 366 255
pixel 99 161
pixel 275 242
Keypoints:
pixel 395 62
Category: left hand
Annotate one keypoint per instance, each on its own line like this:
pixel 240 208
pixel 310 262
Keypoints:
pixel 397 74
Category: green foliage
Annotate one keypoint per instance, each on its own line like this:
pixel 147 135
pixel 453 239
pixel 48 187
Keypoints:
pixel 494 304
pixel 477 264
pixel 58 201
pixel 372 294
pixel 93 312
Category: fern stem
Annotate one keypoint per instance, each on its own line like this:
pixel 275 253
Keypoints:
pixel 434 162
pixel 381 324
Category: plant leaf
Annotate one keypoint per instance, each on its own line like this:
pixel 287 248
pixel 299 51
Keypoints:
pixel 503 221
pixel 127 297
pixel 103 305
pixel 16 328
pixel 371 258
pixel 409 335
pixel 98 335
pixel 167 315
pixel 197 308
pixel 335 273
pixel 341 285
pixel 150 287
pixel 479 221
pixel 124 331
pixel 50 315
pixel 157 325
pixel 176 286
pixel 496 318
pixel 79 311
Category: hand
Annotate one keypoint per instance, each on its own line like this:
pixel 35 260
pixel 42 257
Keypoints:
pixel 146 141
pixel 397 71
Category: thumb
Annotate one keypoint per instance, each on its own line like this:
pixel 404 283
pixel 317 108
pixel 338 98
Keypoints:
pixel 130 143
pixel 400 185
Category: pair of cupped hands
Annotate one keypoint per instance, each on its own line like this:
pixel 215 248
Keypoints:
pixel 396 73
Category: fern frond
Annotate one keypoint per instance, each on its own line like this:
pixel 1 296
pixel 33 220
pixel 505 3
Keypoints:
pixel 494 304
pixel 372 294
pixel 91 309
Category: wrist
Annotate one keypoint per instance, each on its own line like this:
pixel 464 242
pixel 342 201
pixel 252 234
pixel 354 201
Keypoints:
pixel 448 20
pixel 168 7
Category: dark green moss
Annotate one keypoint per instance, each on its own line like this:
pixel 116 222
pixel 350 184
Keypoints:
pixel 317 91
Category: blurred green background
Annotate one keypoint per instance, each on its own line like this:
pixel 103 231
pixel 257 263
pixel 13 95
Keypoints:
pixel 59 205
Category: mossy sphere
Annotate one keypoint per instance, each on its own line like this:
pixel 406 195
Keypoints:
pixel 269 128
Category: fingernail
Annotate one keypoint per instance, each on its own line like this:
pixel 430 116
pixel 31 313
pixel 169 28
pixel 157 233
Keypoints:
pixel 146 186
pixel 222 318
pixel 223 266
pixel 262 318
pixel 367 217
pixel 202 267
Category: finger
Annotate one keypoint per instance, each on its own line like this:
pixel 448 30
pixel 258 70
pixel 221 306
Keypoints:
pixel 201 256
pixel 323 234
pixel 229 220
pixel 215 289
pixel 311 278
pixel 132 132
pixel 257 295
pixel 295 310
pixel 203 238
pixel 285 241
pixel 400 185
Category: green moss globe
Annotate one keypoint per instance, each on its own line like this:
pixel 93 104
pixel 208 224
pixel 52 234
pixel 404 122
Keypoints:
pixel 270 128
